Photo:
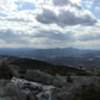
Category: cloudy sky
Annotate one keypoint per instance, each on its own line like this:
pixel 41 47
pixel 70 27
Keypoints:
pixel 50 23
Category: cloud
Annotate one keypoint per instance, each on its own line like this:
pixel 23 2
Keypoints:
pixel 61 2
pixel 89 37
pixel 67 16
pixel 54 35
pixel 12 38
pixel 75 18
pixel 66 2
pixel 47 17
pixel 46 24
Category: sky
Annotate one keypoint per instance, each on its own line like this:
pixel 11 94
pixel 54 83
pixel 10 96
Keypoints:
pixel 50 24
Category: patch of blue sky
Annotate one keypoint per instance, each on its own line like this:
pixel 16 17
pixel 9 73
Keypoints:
pixel 93 7
pixel 2 14
pixel 96 8
pixel 25 6
pixel 96 12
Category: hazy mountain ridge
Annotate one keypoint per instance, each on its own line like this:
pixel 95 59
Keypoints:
pixel 65 56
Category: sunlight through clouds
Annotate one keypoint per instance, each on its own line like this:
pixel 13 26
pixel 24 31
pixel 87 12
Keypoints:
pixel 49 23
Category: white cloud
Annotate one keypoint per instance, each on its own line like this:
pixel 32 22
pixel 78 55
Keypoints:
pixel 60 25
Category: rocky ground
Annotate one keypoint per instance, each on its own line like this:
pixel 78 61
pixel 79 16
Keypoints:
pixel 21 89
pixel 25 79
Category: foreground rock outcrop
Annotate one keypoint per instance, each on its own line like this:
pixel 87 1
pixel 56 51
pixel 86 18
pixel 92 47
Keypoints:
pixel 21 89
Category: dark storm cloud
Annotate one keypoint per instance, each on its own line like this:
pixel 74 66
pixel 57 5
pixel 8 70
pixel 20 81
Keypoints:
pixel 72 16
pixel 65 18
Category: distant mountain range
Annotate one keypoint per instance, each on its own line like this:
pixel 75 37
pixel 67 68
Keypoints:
pixel 66 56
